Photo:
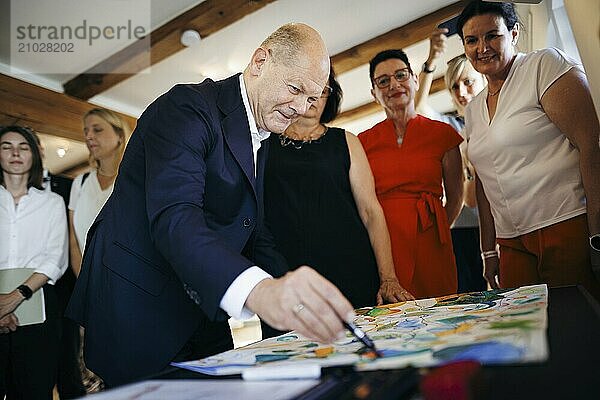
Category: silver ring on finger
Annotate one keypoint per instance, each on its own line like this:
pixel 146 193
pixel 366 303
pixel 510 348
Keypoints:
pixel 298 308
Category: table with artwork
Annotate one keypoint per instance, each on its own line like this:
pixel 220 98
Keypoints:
pixel 492 327
pixel 530 342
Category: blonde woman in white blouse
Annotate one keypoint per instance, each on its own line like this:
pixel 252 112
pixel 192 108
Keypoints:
pixel 105 136
pixel 33 232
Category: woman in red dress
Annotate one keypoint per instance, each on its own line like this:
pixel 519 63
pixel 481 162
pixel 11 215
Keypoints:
pixel 411 157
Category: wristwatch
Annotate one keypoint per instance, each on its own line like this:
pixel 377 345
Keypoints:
pixel 25 291
pixel 428 70
pixel 595 242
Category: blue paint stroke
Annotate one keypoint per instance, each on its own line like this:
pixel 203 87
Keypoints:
pixel 387 353
pixel 486 353
pixel 211 370
pixel 287 338
pixel 409 324
pixel 265 358
pixel 425 337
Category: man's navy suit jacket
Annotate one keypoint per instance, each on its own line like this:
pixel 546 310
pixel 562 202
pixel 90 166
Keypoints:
pixel 184 220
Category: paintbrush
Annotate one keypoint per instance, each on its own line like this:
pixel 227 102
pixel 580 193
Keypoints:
pixel 362 336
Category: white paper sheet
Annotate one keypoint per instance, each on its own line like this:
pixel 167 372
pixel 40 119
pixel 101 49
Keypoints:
pixel 207 389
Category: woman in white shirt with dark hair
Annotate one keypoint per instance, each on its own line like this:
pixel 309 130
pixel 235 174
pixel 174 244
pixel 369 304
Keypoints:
pixel 533 138
pixel 33 229
pixel 105 135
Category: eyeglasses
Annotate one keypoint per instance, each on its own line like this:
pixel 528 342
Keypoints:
pixel 327 90
pixel 384 81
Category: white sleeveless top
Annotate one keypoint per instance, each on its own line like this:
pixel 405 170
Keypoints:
pixel 86 201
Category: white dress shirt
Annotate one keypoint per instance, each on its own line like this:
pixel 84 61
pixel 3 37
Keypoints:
pixel 235 297
pixel 34 233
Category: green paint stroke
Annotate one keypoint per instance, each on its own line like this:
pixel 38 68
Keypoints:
pixel 516 314
pixel 473 298
pixel 386 326
pixel 375 312
pixel 524 324
pixel 457 320
pixel 526 301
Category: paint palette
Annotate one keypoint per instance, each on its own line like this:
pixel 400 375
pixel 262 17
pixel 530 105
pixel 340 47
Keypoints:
pixel 491 327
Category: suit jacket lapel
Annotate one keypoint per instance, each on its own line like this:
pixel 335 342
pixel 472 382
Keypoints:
pixel 236 130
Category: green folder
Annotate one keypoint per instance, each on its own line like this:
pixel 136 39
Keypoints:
pixel 30 311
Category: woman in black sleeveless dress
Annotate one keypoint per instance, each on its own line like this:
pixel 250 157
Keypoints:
pixel 321 207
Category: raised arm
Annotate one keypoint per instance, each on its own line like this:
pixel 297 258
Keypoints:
pixel 437 47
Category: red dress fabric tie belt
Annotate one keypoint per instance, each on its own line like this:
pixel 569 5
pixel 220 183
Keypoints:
pixel 428 206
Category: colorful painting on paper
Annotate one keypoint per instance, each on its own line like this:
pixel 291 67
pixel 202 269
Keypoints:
pixel 492 327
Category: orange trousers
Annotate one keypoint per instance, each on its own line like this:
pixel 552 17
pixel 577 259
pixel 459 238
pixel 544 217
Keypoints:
pixel 557 255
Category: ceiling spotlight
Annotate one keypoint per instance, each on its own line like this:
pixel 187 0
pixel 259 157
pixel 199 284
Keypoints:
pixel 61 151
pixel 190 38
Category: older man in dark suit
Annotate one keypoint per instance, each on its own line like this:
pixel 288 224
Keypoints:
pixel 181 244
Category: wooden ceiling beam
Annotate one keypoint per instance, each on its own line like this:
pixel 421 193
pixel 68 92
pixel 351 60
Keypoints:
pixel 359 112
pixel 44 110
pixel 207 18
pixel 437 85
pixel 404 36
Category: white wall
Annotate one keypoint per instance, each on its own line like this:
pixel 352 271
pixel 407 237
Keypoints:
pixel 585 23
